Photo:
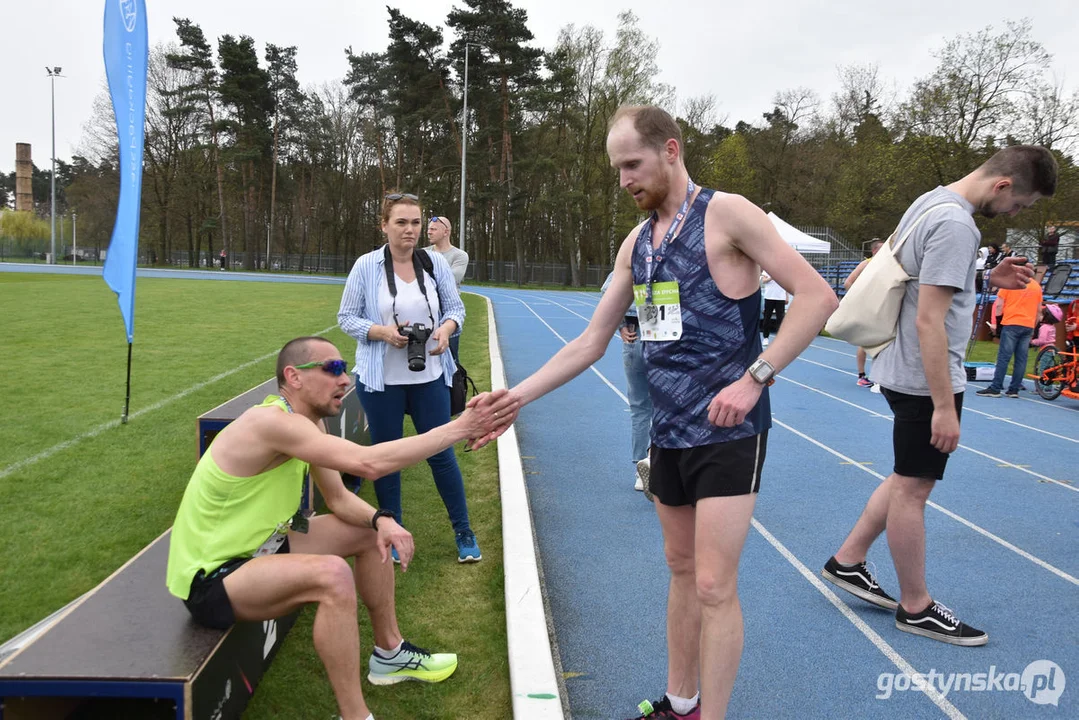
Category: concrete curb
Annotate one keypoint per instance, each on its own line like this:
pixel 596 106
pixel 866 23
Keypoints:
pixel 533 680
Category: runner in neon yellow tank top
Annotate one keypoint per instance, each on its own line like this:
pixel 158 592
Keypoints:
pixel 233 555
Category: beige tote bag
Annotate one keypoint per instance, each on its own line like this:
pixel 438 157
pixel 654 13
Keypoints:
pixel 868 315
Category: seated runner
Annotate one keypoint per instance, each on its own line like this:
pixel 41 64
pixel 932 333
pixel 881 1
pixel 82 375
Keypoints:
pixel 240 550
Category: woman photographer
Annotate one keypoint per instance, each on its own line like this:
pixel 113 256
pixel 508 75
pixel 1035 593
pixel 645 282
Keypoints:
pixel 389 306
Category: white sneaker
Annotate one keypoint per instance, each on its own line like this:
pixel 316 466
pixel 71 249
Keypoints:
pixel 644 469
pixel 638 484
pixel 764 342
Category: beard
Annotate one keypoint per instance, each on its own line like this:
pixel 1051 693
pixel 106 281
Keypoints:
pixel 329 409
pixel 652 199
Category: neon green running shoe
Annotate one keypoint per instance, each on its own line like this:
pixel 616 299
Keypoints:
pixel 411 663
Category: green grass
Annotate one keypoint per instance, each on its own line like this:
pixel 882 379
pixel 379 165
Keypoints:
pixel 986 351
pixel 72 518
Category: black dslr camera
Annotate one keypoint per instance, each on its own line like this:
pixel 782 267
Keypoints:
pixel 417 334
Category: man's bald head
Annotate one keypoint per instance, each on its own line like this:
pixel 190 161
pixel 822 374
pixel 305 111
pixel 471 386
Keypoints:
pixel 297 352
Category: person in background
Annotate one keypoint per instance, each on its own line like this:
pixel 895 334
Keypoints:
pixel 1045 333
pixel 1050 245
pixel 860 356
pixel 640 402
pixel 438 233
pixel 390 383
pixel 775 305
pixel 1021 310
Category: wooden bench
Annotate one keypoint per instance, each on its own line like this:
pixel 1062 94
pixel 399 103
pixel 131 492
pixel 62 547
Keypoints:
pixel 129 649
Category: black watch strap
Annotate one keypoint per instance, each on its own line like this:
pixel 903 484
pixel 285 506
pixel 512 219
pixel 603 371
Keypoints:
pixel 379 514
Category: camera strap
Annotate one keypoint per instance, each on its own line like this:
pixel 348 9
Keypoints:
pixel 391 283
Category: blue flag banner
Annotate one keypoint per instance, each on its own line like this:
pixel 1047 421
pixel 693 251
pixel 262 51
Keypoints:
pixel 126 51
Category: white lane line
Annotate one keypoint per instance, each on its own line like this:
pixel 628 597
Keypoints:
pixel 565 342
pixel 26 462
pixel 837 352
pixel 881 644
pixel 982 531
pixel 887 650
pixel 999 461
pixel 1044 403
pixel 965 408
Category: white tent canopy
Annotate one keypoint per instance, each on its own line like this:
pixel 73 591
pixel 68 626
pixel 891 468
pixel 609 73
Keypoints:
pixel 797 239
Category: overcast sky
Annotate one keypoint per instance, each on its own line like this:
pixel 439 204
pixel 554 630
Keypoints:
pixel 741 52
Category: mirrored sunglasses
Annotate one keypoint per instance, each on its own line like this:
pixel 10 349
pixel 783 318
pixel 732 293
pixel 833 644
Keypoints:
pixel 333 367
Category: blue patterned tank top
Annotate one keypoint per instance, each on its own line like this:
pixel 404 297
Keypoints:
pixel 719 341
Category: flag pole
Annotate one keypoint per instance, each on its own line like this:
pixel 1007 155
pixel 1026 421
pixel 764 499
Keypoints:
pixel 126 51
pixel 127 396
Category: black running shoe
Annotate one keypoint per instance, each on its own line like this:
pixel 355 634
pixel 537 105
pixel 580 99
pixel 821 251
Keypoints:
pixel 661 710
pixel 857 580
pixel 939 623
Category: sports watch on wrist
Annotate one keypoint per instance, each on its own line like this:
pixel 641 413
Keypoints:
pixel 379 514
pixel 763 372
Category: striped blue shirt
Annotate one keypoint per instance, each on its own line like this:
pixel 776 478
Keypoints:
pixel 360 310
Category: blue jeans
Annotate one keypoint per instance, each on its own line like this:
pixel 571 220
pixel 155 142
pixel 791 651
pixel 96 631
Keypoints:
pixel 1014 343
pixel 429 406
pixel 640 402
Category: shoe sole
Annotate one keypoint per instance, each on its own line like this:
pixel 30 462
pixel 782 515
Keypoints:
pixel 961 641
pixel 434 677
pixel 470 559
pixel 859 592
pixel 988 395
pixel 644 476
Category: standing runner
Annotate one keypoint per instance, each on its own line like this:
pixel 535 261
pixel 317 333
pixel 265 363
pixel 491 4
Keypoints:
pixel 693 270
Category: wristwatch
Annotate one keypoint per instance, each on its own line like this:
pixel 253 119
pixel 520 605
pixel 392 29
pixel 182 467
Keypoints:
pixel 763 372
pixel 379 514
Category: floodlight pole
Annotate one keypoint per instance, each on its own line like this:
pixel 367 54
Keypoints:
pixel 464 152
pixel 53 73
pixel 74 237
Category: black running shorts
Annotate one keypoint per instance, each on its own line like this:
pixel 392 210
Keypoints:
pixel 915 456
pixel 207 600
pixel 682 476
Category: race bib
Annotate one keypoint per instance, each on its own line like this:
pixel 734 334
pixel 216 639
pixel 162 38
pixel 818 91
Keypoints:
pixel 271 546
pixel 662 318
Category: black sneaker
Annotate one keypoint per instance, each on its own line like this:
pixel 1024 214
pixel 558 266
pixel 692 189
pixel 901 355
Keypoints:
pixel 939 623
pixel 988 392
pixel 661 710
pixel 857 580
pixel 1012 394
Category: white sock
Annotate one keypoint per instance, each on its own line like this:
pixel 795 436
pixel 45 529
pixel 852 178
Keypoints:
pixel 370 717
pixel 681 705
pixel 389 653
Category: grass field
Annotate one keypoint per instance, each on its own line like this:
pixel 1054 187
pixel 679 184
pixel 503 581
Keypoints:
pixel 75 515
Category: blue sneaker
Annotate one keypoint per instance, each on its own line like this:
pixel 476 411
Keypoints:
pixel 468 550
pixel 395 556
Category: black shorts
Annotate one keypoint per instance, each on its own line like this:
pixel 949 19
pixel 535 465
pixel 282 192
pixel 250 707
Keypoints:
pixel 915 456
pixel 207 600
pixel 682 476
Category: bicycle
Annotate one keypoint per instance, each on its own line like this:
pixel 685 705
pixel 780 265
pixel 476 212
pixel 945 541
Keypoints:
pixel 1055 375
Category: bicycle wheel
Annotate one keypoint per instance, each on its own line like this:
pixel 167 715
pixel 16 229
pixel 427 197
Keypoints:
pixel 1047 358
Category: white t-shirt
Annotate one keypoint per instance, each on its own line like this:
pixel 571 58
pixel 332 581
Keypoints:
pixel 411 309
pixel 772 291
